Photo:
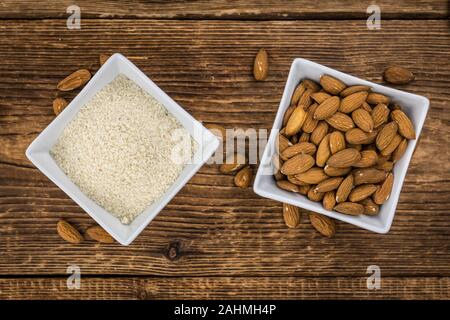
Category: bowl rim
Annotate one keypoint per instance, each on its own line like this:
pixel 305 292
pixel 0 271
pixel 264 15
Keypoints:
pixel 300 201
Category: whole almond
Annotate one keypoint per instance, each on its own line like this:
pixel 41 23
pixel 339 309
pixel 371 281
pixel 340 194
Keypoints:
pixel 362 192
pixel 291 215
pixel 322 224
pixel 97 233
pixel 261 65
pixel 295 121
pixel 329 200
pixel 353 101
pixel 367 107
pixel 323 151
pixel 340 121
pixel 310 123
pixel 74 80
pixel 329 184
pixel 304 189
pixel 282 143
pixel 358 136
pixel 368 175
pixel 376 98
pixel 319 132
pixel 68 232
pixel 344 189
pixel 305 100
pixel 327 108
pixel 297 93
pixel 370 207
pixel 363 119
pixel 344 158
pixel 233 163
pixel 297 164
pixel 314 195
pixel 312 176
pixel 380 115
pixel 386 134
pixel 337 142
pixel 103 58
pixel 336 172
pixel 350 208
pixel 401 148
pixel 59 104
pixel 405 126
pixel 368 158
pixel 392 145
pixel 243 178
pixel 331 84
pixel 288 113
pixel 398 75
pixel 383 193
pixel 320 96
pixel 304 137
pixel 353 89
pixel 301 147
pixel 310 84
pixel 292 179
pixel 288 186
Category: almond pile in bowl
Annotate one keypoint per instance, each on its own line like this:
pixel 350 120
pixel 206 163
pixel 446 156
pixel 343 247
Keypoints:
pixel 338 145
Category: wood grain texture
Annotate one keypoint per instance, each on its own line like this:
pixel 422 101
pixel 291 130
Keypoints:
pixel 272 288
pixel 222 9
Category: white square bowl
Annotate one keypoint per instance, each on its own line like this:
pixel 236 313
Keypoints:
pixel 39 150
pixel 416 107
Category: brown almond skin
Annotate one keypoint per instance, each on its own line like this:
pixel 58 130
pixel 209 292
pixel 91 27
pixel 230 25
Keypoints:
pixel 362 192
pixel 313 195
pixel 68 232
pixel 297 93
pixel 59 104
pixel 331 84
pixel 405 126
pixel 304 137
pixel 261 65
pixel 329 200
pixel 353 102
pixel 358 136
pixel 310 84
pixel 370 207
pixel 295 121
pixel 319 133
pixel 363 119
pixel 392 145
pixel 323 151
pixel 383 193
pixel 337 141
pixel 401 148
pixel 322 224
pixel 398 75
pixel 368 158
pixel 291 215
pixel 305 100
pixel 314 175
pixel 327 108
pixel 282 143
pixel 297 164
pixel 344 189
pixel 287 114
pixel 243 178
pixel 368 175
pixel 336 172
pixel 386 134
pixel 344 158
pixel 288 186
pixel 74 80
pixel 353 89
pixel 298 148
pixel 329 184
pixel 376 98
pixel 97 233
pixel 350 208
pixel 340 121
pixel 320 96
pixel 380 114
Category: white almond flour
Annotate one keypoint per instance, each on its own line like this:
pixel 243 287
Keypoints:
pixel 118 149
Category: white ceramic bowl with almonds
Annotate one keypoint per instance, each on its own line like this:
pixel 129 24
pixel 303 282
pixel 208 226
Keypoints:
pixel 320 170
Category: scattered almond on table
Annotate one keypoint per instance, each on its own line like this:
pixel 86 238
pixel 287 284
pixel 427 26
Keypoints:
pixel 261 65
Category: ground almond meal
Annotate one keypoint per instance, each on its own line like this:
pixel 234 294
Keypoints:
pixel 118 149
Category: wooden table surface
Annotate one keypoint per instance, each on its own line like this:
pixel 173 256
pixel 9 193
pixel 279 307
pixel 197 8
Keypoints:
pixel 228 242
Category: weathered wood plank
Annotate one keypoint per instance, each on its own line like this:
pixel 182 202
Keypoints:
pixel 222 9
pixel 225 288
pixel 206 66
